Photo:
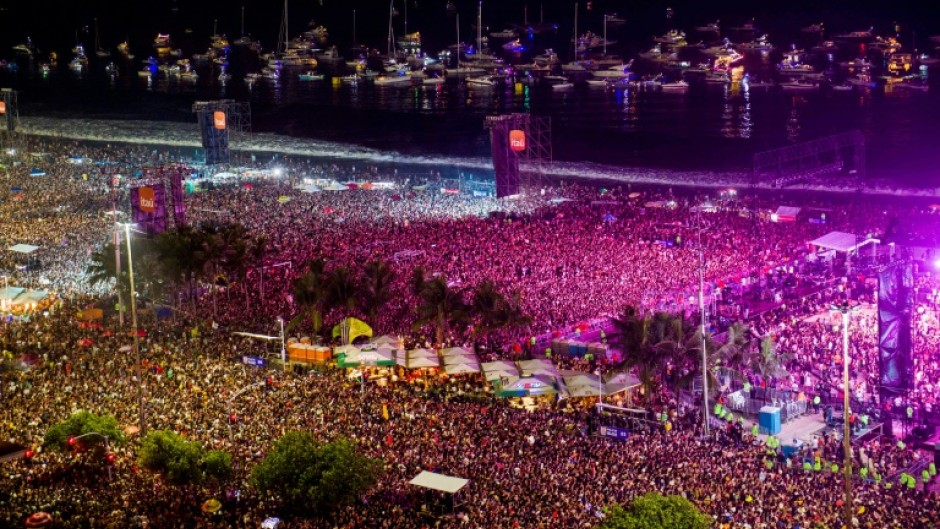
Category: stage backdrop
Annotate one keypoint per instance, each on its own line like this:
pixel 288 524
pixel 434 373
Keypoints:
pixel 895 301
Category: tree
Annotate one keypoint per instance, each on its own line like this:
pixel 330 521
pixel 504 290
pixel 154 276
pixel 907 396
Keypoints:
pixel 86 425
pixel 217 465
pixel 315 477
pixel 172 455
pixel 311 295
pixel 377 279
pixel 439 306
pixel 655 511
pixel 637 337
pixel 769 362
pixel 494 312
pixel 342 289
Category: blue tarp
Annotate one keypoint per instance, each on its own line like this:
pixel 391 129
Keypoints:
pixel 37 172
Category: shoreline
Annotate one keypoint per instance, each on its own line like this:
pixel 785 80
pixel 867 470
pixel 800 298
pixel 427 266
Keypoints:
pixel 186 135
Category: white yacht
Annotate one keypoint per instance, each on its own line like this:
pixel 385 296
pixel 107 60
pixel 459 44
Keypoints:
pixel 485 81
pixel 675 86
pixel 799 85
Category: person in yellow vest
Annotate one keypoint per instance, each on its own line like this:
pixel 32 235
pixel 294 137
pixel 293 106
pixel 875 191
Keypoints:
pixel 548 352
pixel 834 468
pixel 817 466
pixel 925 476
pixel 668 427
pixel 755 430
pixel 932 468
pixel 863 472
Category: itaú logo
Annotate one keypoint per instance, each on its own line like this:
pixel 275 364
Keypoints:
pixel 147 202
pixel 517 140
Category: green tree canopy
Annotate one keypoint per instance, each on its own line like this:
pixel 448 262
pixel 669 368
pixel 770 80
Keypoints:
pixel 655 511
pixel 217 465
pixel 83 424
pixel 314 477
pixel 171 454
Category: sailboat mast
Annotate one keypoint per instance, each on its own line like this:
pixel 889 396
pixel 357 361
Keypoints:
pixel 243 21
pixel 391 41
pixel 480 28
pixel 406 17
pixel 97 42
pixel 575 31
pixel 354 28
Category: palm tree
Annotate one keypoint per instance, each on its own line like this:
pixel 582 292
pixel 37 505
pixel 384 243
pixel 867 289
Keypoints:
pixel 342 289
pixel 440 306
pixel 310 294
pixel 736 352
pixel 769 362
pixel 493 312
pixel 376 287
pixel 637 336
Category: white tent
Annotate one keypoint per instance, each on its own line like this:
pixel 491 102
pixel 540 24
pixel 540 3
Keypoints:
pixel 457 360
pixel 23 248
pixel 419 362
pixel 456 351
pixel 497 370
pixel 421 353
pixel 461 369
pixel 621 382
pixel 385 339
pixel 838 241
pixel 439 482
pixel 346 350
pixel 787 213
pixel 538 367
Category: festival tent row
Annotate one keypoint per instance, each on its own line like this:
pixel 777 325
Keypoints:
pixel 459 361
pixel 13 297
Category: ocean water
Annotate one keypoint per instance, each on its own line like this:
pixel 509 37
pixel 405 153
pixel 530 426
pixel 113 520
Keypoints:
pixel 707 135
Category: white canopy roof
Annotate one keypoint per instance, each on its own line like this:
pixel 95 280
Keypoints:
pixel 838 241
pixel 538 367
pixel 496 370
pixel 456 360
pixel 456 351
pixel 421 353
pixel 385 339
pixel 23 248
pixel 788 211
pixel 346 349
pixel 430 480
pixel 418 362
pixel 461 369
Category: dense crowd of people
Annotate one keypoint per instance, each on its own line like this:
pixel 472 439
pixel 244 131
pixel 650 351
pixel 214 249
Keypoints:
pixel 572 252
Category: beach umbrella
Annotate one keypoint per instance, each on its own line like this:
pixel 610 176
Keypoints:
pixel 211 506
pixel 39 519
pixel 37 172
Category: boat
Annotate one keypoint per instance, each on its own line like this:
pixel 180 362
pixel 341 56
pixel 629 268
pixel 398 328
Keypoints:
pixel 710 28
pixel 799 85
pixel 573 67
pixel 124 50
pixel 598 83
pixel 504 34
pixel 100 52
pixel 591 41
pixel 549 58
pixel 330 57
pixel 914 84
pixel 432 81
pixel 485 81
pixel 861 80
pixel 563 86
pixel 162 45
pixel 672 38
pixel 80 61
pixel 717 77
pixel 392 80
pixel 189 76
pixel 856 36
pixel 614 72
pixel 271 74
pixel 25 49
pixel 675 86
pixel 760 44
pixel 514 46
pixel 226 77
pixel 717 49
pixel 755 84
pixel 843 87
pixel 352 79
pixel 814 29
pixel 928 61
pixel 310 76
pixel 466 71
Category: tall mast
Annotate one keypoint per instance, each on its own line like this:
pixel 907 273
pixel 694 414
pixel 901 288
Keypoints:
pixel 243 21
pixel 406 16
pixel 575 31
pixel 391 33
pixel 480 28
pixel 354 28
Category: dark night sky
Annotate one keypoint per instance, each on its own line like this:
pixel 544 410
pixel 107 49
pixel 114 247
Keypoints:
pixel 53 24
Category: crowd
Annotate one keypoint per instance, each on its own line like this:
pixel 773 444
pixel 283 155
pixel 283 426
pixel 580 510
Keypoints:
pixel 573 259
